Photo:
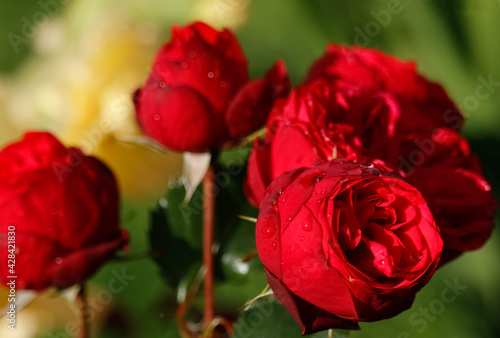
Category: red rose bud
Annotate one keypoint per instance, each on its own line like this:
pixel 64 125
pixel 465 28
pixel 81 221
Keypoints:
pixel 344 242
pixel 368 70
pixel 59 213
pixel 185 103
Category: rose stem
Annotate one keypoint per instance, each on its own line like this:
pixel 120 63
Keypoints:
pixel 81 303
pixel 208 240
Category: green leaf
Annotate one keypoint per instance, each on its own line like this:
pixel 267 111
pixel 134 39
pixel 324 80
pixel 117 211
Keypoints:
pixel 185 219
pixel 175 255
pixel 266 318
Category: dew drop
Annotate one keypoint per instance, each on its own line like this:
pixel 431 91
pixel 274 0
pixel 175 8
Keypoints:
pixel 162 84
pixel 269 229
pixel 366 165
pixel 280 192
pixel 485 186
pixel 184 65
pixel 156 117
pixel 302 238
pixel 323 192
pixel 274 245
pixel 223 84
pixel 314 193
pixel 307 226
pixel 192 54
pixel 211 75
pixel 289 219
pixel 59 260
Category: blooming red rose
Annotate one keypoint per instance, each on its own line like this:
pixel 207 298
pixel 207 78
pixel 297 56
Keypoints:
pixel 187 102
pixel 356 69
pixel 344 242
pixel 59 211
pixel 351 91
pixel 314 125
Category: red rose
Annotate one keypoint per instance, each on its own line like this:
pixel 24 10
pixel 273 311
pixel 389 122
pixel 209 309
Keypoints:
pixel 343 242
pixel 315 125
pixel 298 134
pixel 366 70
pixel 59 211
pixel 350 91
pixel 185 103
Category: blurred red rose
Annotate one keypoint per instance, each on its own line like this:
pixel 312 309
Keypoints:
pixel 60 210
pixel 186 102
pixel 344 242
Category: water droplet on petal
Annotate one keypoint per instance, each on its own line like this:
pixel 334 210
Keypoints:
pixel 302 238
pixel 162 84
pixel 314 193
pixel 485 186
pixel 192 54
pixel 156 117
pixel 274 245
pixel 269 229
pixel 223 84
pixel 59 260
pixel 185 65
pixel 211 75
pixel 280 192
pixel 366 165
pixel 307 225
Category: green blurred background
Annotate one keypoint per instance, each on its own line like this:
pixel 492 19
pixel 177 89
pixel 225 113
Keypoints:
pixel 454 42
